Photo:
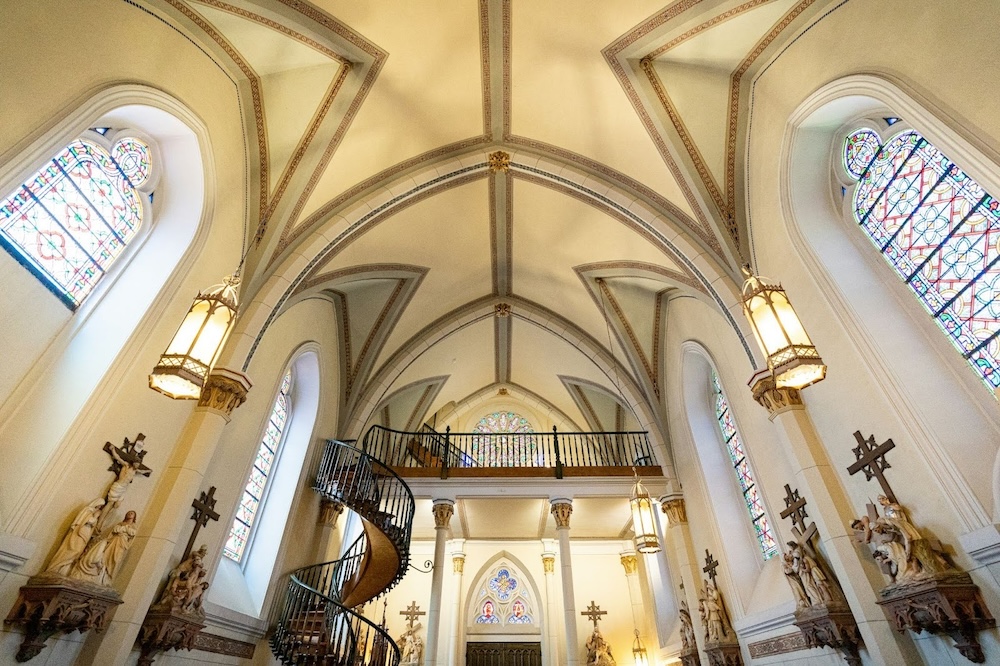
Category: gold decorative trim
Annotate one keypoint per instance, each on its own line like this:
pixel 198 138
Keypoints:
pixel 548 563
pixel 630 563
pixel 561 511
pixel 484 57
pixel 458 563
pixel 499 161
pixel 637 348
pixel 443 511
pixel 675 511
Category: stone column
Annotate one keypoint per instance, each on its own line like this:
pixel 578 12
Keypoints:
pixel 561 511
pixel 456 624
pixel 443 510
pixel 330 536
pixel 639 617
pixel 679 538
pixel 831 510
pixel 167 520
pixel 552 630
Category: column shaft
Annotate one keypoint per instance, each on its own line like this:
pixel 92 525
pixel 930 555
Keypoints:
pixel 561 510
pixel 679 536
pixel 454 634
pixel 551 656
pixel 443 510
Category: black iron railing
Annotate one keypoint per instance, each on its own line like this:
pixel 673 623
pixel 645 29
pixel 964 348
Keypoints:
pixel 449 452
pixel 320 622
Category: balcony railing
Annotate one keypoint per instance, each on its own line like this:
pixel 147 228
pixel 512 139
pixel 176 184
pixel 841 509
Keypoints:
pixel 432 453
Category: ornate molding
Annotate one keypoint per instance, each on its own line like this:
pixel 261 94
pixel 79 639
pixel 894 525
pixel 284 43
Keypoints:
pixel 458 563
pixel 224 391
pixel 164 630
pixel 561 511
pixel 329 512
pixel 630 563
pixel 222 645
pixel 772 398
pixel 549 563
pixel 675 511
pixel 443 511
pixel 499 161
pixel 777 645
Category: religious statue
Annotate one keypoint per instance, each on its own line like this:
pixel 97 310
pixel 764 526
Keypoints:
pixel 185 585
pixel 101 561
pixel 717 625
pixel 76 539
pixel 792 566
pixel 904 554
pixel 687 628
pixel 809 583
pixel 598 650
pixel 411 647
pixel 126 463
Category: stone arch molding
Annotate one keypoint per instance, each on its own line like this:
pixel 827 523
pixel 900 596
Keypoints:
pixel 840 262
pixel 524 578
pixel 268 297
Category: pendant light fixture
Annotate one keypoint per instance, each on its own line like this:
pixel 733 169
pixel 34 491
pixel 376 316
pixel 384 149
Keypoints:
pixel 639 652
pixel 791 356
pixel 184 366
pixel 643 519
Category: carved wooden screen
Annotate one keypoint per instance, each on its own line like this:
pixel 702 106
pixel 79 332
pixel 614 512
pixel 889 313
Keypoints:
pixel 503 654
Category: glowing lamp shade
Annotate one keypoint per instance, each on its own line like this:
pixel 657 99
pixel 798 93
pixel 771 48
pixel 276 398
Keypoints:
pixel 639 652
pixel 184 366
pixel 791 355
pixel 642 520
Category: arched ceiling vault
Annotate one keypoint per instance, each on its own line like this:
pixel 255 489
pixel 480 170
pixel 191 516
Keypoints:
pixel 428 167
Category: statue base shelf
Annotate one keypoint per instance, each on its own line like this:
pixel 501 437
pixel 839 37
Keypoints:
pixel 689 657
pixel 165 629
pixel 944 604
pixel 723 654
pixel 52 604
pixel 831 626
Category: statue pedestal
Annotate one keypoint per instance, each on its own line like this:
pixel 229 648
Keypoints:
pixel 944 604
pixel 826 626
pixel 165 629
pixel 689 657
pixel 723 654
pixel 52 604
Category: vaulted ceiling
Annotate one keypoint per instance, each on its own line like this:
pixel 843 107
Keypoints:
pixel 494 193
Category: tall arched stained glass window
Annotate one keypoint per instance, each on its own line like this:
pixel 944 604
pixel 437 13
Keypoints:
pixel 940 232
pixel 510 441
pixel 503 599
pixel 253 494
pixel 70 221
pixel 744 474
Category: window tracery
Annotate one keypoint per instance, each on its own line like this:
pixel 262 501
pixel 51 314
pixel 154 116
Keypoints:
pixel 940 232
pixel 509 442
pixel 503 600
pixel 75 216
pixel 253 493
pixel 744 474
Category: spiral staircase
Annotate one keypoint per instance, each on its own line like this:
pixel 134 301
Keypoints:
pixel 321 622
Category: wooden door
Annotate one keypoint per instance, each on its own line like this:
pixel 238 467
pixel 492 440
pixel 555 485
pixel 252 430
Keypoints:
pixel 503 654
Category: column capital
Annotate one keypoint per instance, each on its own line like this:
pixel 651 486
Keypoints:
pixel 630 563
pixel 772 398
pixel 329 511
pixel 549 562
pixel 458 562
pixel 224 391
pixel 443 510
pixel 675 510
pixel 562 509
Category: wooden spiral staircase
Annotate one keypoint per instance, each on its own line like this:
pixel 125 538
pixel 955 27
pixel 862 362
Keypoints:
pixel 320 623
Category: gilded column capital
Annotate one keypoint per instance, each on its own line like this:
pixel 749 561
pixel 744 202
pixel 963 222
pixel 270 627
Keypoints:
pixel 562 509
pixel 675 510
pixel 458 563
pixel 443 511
pixel 329 511
pixel 630 563
pixel 774 399
pixel 549 562
pixel 224 391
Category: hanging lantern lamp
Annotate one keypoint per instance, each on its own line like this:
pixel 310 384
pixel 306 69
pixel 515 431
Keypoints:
pixel 646 540
pixel 791 355
pixel 194 349
pixel 639 652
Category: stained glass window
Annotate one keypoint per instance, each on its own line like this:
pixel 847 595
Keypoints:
pixel 510 442
pixel 503 599
pixel 253 494
pixel 72 219
pixel 751 494
pixel 940 232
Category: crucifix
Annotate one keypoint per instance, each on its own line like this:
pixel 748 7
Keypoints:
pixel 126 462
pixel 871 460
pixel 795 507
pixel 412 613
pixel 204 510
pixel 710 565
pixel 594 613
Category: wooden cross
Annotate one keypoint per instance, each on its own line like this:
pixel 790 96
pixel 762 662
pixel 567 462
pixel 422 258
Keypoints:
pixel 594 613
pixel 871 460
pixel 710 565
pixel 795 507
pixel 129 453
pixel 412 613
pixel 204 510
